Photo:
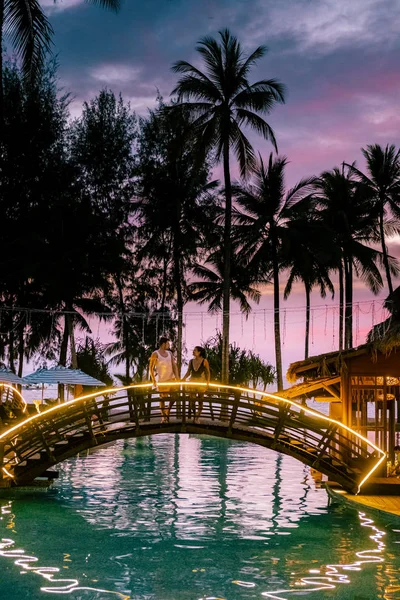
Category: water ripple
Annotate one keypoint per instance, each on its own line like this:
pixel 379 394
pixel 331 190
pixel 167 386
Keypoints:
pixel 192 518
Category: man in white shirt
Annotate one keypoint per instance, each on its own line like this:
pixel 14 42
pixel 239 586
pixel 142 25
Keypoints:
pixel 162 362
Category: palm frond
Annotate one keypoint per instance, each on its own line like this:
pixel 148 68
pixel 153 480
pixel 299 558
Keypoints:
pixel 258 124
pixel 261 96
pixel 113 5
pixel 243 149
pixel 30 33
pixel 251 60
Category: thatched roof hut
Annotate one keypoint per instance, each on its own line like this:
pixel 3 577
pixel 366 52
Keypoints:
pixel 385 337
pixel 324 365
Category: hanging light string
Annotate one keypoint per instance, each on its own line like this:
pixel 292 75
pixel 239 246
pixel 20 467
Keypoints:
pixel 371 305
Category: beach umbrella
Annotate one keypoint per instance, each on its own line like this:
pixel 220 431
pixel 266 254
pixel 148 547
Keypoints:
pixel 62 375
pixel 7 376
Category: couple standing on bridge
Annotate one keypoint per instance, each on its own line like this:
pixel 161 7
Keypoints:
pixel 163 363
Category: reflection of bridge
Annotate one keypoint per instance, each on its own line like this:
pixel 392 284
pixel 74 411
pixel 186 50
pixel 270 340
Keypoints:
pixel 28 450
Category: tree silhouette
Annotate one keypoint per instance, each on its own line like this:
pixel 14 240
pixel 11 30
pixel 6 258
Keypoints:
pixel 223 101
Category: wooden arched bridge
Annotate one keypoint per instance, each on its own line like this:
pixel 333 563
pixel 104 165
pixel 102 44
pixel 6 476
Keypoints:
pixel 31 448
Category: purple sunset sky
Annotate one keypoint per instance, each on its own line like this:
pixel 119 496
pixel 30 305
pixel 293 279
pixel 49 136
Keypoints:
pixel 338 59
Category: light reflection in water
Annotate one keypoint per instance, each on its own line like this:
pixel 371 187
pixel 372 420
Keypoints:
pixel 29 563
pixel 333 573
pixel 188 518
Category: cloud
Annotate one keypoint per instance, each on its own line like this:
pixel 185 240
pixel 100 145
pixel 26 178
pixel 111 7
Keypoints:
pixel 325 25
pixel 112 74
pixel 52 7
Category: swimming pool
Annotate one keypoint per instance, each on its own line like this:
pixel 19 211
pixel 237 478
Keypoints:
pixel 179 517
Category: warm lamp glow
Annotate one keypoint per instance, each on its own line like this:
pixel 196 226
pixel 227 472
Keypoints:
pixel 389 380
pixel 14 390
pixel 387 396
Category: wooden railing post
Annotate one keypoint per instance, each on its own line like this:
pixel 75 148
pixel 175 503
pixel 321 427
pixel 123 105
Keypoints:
pixel 323 445
pixel 235 406
pixel 224 408
pixel 283 413
pixel 132 407
pixel 183 395
pixel 43 439
pixel 88 419
pixel 1 459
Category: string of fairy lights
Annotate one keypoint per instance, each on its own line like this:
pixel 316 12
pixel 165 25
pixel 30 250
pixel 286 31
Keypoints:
pixel 324 317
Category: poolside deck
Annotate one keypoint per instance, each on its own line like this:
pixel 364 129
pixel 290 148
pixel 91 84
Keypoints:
pixel 389 505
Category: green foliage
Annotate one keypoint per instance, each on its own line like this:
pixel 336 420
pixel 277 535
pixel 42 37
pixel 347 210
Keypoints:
pixel 222 100
pixel 245 367
pixel 27 27
pixel 107 214
pixel 176 199
pixel 208 288
pixel 91 360
pixel 175 202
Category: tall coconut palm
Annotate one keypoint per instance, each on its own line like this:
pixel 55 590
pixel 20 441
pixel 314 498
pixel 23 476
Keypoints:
pixel 308 256
pixel 347 210
pixel 262 228
pixel 27 27
pixel 175 201
pixel 383 181
pixel 223 101
pixel 208 288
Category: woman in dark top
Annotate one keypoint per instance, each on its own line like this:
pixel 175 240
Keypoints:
pixel 198 370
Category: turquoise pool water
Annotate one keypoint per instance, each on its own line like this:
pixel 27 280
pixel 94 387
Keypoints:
pixel 189 518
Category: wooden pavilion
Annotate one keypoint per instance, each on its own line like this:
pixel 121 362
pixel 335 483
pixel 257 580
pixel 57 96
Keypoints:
pixel 362 387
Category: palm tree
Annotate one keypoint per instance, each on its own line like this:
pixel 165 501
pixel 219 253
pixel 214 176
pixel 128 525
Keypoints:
pixel 383 181
pixel 222 101
pixel 175 202
pixel 30 33
pixel 347 211
pixel 209 288
pixel 308 255
pixel 263 228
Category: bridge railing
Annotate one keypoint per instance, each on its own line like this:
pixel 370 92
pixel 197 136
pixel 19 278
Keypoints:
pixel 245 414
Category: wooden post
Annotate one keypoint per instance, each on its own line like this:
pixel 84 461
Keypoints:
pixel 183 410
pixel 1 459
pixel 234 411
pixel 133 411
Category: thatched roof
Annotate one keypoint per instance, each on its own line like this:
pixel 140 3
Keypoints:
pixel 385 336
pixel 324 365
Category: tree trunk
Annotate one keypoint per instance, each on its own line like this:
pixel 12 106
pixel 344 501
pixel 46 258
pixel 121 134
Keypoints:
pixel 308 310
pixel 277 326
pixel 1 74
pixel 64 344
pixel 11 346
pixel 341 304
pixel 74 360
pixel 164 284
pixel 63 355
pixel 180 335
pixel 21 349
pixel 227 266
pixel 384 249
pixel 348 333
pixel 125 331
pixel 178 277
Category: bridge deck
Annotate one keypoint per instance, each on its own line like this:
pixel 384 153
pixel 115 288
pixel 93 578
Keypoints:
pixel 30 449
